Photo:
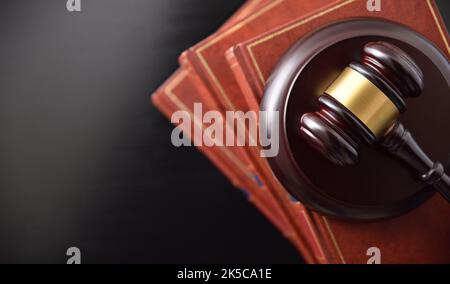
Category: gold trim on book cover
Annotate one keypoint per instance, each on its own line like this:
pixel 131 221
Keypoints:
pixel 441 29
pixel 288 28
pixel 275 34
pixel 333 239
pixel 313 232
pixel 173 98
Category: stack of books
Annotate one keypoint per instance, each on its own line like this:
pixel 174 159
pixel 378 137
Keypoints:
pixel 227 72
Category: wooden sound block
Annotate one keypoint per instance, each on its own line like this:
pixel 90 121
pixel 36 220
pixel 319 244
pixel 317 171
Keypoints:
pixel 378 186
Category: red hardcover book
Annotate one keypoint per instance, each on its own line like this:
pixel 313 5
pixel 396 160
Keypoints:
pixel 416 237
pixel 208 59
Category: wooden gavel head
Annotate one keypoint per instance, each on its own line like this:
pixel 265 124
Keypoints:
pixel 363 103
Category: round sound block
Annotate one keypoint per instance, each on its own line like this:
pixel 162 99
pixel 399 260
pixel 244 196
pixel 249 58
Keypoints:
pixel 379 186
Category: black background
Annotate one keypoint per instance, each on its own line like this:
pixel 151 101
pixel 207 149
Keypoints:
pixel 85 161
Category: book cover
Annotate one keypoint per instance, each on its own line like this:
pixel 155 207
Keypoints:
pixel 407 241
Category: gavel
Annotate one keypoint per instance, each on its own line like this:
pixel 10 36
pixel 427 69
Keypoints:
pixel 362 106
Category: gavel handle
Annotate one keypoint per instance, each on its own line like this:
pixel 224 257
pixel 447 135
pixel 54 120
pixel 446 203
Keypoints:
pixel 399 141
